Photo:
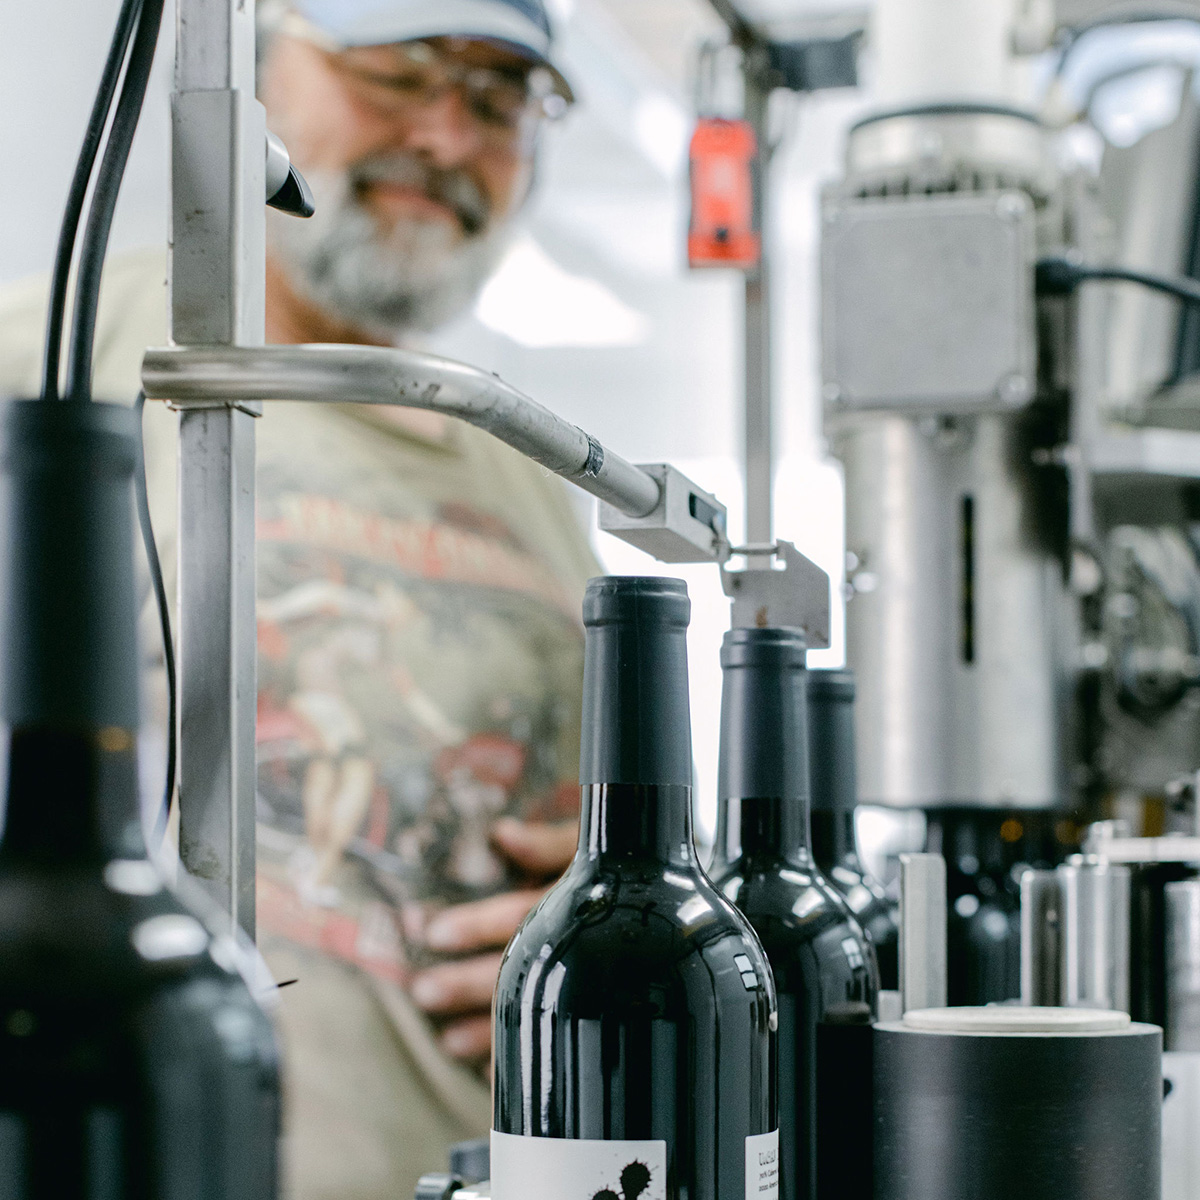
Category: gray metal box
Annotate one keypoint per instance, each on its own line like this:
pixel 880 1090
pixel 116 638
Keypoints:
pixel 928 302
pixel 687 526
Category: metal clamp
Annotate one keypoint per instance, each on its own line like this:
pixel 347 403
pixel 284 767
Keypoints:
pixel 686 525
pixel 794 597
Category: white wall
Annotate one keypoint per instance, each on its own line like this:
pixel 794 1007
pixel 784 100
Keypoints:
pixel 51 55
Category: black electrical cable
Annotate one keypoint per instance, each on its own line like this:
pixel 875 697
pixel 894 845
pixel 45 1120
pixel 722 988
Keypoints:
pixel 1061 276
pixel 164 616
pixel 77 194
pixel 104 201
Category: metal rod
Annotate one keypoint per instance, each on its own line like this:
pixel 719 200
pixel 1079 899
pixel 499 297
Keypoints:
pixel 740 29
pixel 380 375
pixel 1041 968
pixel 1095 930
pixel 217 289
pixel 922 931
pixel 758 452
pixel 1182 1030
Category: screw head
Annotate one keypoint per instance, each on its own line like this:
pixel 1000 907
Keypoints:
pixel 1011 206
pixel 1015 389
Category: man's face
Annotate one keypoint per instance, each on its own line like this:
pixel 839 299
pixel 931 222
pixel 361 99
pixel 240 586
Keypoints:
pixel 413 188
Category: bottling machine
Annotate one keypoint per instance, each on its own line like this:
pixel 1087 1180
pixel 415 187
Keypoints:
pixel 1008 371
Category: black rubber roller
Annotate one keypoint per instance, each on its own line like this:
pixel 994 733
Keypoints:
pixel 1008 1103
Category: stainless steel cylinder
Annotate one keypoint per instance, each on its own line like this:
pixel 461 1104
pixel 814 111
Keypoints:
pixel 959 624
pixel 1041 948
pixel 1095 924
pixel 1182 1030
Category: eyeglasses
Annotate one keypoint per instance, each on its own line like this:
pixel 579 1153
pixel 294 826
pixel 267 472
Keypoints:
pixel 505 104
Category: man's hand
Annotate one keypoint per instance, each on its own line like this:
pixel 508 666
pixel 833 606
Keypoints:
pixel 463 990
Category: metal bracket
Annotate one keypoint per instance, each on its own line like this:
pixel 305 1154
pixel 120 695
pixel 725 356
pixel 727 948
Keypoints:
pixel 794 597
pixel 687 525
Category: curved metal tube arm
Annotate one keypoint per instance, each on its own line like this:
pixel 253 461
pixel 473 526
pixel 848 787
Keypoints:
pixel 408 379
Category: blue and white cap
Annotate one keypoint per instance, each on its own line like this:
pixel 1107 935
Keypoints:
pixel 522 24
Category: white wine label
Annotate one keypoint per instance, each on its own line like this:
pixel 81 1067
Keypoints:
pixel 535 1168
pixel 762 1167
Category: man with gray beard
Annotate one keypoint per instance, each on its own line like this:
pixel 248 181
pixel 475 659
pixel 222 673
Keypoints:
pixel 420 655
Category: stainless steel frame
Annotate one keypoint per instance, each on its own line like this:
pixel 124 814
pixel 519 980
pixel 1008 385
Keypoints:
pixel 217 292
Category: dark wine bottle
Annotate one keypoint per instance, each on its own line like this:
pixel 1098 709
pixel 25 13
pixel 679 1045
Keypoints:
pixel 635 1010
pixel 824 966
pixel 134 1061
pixel 834 799
pixel 986 853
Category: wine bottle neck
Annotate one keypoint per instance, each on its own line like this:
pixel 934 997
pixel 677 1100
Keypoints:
pixel 833 842
pixel 764 828
pixel 636 719
pixel 650 822
pixel 68 645
pixel 71 798
pixel 763 785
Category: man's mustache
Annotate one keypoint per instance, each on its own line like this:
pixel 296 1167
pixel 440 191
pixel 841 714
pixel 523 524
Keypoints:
pixel 453 188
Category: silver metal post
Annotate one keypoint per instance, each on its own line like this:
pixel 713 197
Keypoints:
pixel 1095 927
pixel 217 282
pixel 1182 1030
pixel 922 931
pixel 1041 968
pixel 758 451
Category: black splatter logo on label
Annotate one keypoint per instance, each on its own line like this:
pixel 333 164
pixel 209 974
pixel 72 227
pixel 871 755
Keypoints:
pixel 635 1179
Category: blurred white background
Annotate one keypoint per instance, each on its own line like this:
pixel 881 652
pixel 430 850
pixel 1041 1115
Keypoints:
pixel 594 312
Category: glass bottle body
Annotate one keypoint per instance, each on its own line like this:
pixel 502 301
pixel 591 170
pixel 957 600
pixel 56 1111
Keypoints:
pixel 134 1060
pixel 826 982
pixel 635 1003
pixel 836 855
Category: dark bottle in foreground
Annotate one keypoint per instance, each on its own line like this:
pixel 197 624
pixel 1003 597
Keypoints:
pixel 134 1061
pixel 634 1048
pixel 825 974
pixel 834 798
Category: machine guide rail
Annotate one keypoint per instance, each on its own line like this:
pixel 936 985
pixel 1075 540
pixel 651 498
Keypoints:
pixel 655 507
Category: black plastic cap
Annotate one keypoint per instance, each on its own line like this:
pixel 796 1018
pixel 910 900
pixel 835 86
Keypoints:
pixel 67 638
pixel 764 732
pixel 831 740
pixel 636 716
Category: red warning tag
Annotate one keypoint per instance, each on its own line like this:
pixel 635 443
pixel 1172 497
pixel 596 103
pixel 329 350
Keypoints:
pixel 724 230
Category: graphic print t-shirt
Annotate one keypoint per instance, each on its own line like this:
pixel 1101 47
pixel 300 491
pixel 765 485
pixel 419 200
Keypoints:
pixel 420 659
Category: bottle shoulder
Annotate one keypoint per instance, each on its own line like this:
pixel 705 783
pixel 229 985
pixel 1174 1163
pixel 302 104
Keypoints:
pixel 100 932
pixel 104 967
pixel 810 935
pixel 800 896
pixel 629 930
pixel 864 895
